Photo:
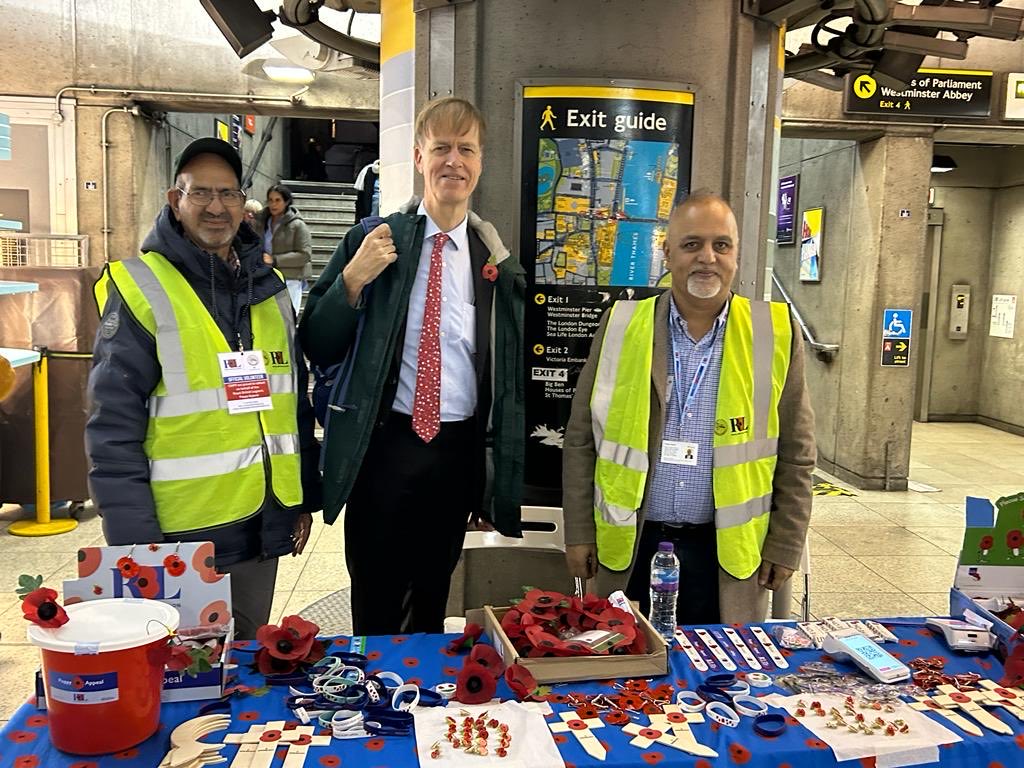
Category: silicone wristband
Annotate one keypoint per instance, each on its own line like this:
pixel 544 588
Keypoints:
pixel 720 681
pixel 749 706
pixel 708 693
pixel 399 700
pixel 739 688
pixel 447 690
pixel 690 701
pixel 759 679
pixel 722 714
pixel 770 725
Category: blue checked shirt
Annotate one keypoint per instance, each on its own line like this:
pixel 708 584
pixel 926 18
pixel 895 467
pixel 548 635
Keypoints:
pixel 680 493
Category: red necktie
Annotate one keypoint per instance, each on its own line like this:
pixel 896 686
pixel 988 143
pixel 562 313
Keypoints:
pixel 426 407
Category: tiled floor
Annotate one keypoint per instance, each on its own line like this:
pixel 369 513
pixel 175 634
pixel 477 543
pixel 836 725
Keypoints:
pixel 876 554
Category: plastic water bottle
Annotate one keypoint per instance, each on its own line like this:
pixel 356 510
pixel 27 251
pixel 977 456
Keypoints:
pixel 664 590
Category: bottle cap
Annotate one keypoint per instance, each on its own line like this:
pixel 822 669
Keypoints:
pixel 666 546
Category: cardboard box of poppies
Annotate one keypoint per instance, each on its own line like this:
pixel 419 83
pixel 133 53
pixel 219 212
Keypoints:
pixel 989 579
pixel 182 575
pixel 567 639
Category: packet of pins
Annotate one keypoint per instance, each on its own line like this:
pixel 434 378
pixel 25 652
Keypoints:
pixel 597 640
pixel 792 638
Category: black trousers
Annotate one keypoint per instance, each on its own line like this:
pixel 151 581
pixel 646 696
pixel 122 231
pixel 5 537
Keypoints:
pixel 405 523
pixel 696 548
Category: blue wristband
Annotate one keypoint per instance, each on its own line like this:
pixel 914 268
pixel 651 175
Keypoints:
pixel 770 725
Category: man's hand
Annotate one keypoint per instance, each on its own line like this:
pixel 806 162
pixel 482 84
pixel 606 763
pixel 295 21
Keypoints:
pixel 268 259
pixel 772 576
pixel 582 560
pixel 300 533
pixel 375 254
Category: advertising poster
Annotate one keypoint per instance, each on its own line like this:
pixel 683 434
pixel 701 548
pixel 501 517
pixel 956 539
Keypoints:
pixel 786 210
pixel 600 170
pixel 811 232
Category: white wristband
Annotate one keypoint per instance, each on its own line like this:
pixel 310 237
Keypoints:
pixel 404 706
pixel 759 679
pixel 749 706
pixel 739 688
pixel 690 701
pixel 722 714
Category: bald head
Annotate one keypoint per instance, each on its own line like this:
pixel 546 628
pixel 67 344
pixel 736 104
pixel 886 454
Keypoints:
pixel 702 250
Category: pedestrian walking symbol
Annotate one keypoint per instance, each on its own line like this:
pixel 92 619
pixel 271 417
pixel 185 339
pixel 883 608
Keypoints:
pixel 547 118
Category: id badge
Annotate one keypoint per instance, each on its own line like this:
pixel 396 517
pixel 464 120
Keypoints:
pixel 678 452
pixel 246 383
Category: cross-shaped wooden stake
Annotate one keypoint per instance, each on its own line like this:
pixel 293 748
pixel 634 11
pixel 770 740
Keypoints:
pixel 581 728
pixel 259 745
pixel 678 722
pixel 925 704
pixel 1012 702
pixel 969 703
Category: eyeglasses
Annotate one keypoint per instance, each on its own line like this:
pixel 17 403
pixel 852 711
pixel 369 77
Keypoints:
pixel 229 198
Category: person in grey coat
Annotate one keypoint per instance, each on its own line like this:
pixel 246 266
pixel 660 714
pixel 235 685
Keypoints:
pixel 286 238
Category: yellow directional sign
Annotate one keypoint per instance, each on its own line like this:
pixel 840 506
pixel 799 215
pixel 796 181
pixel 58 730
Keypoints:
pixel 864 86
pixel 538 349
pixel 901 346
pixel 539 298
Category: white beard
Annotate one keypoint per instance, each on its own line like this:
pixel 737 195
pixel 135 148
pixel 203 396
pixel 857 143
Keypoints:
pixel 703 288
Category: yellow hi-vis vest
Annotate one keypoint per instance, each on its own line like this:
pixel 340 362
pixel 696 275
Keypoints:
pixel 208 467
pixel 755 362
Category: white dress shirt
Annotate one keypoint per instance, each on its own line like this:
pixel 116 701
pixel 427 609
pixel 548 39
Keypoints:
pixel 458 326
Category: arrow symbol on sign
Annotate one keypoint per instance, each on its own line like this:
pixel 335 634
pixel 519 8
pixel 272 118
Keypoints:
pixel 864 87
pixel 901 347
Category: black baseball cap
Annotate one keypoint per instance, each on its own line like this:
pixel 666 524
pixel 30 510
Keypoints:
pixel 212 146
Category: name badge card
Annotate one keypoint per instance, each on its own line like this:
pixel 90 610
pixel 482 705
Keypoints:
pixel 679 452
pixel 246 383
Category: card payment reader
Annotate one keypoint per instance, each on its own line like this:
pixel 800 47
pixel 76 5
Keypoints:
pixel 962 636
pixel 866 654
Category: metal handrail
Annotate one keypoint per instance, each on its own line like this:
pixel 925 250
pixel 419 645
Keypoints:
pixel 824 352
pixel 22 249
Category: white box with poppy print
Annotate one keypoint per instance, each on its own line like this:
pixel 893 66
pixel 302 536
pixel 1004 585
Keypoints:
pixel 991 563
pixel 180 574
pixel 566 669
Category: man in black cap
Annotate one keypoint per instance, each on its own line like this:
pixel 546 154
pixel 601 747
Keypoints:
pixel 200 428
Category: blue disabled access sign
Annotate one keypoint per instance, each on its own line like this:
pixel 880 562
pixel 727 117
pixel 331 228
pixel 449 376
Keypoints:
pixel 896 334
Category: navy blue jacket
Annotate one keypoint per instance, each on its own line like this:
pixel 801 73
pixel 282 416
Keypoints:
pixel 126 371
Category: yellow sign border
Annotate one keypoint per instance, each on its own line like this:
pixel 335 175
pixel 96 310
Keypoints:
pixel 606 92
pixel 954 72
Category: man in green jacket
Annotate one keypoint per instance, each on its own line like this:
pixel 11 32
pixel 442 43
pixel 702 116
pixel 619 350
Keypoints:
pixel 426 431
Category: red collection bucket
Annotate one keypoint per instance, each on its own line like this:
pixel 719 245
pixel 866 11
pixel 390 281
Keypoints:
pixel 101 678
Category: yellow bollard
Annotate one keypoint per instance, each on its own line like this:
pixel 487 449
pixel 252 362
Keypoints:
pixel 42 525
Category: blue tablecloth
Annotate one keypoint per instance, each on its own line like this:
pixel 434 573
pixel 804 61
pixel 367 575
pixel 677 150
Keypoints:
pixel 424 659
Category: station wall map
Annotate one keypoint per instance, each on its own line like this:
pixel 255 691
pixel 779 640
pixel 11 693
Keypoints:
pixel 601 170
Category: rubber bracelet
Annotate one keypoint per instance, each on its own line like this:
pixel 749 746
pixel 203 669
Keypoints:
pixel 447 690
pixel 431 698
pixel 739 688
pixel 351 659
pixel 770 725
pixel 332 684
pixel 690 701
pixel 400 700
pixel 713 694
pixel 720 681
pixel 749 706
pixel 376 691
pixel 759 679
pixel 391 677
pixel 326 666
pixel 722 714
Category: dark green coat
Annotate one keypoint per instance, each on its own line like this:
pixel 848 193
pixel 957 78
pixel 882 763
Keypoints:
pixel 327 333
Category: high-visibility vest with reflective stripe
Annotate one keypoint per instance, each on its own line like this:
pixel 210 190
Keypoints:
pixel 755 362
pixel 620 405
pixel 209 467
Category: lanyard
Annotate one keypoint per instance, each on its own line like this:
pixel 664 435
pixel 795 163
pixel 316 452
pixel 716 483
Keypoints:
pixel 698 376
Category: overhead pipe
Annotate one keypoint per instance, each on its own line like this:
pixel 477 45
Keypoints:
pixel 129 92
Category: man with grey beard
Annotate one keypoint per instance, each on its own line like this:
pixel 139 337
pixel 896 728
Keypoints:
pixel 716 459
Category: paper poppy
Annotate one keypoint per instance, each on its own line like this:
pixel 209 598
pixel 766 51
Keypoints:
pixel 663 691
pixel 475 684
pixel 586 712
pixel 521 681
pixel 174 565
pixel 486 656
pixel 616 717
pixel 128 567
pixel 490 272
pixel 542 639
pixel 469 637
pixel 41 607
pixel 556 698
pixel 292 641
pixel 635 686
pixel 511 624
pixel 541 603
pixel 630 701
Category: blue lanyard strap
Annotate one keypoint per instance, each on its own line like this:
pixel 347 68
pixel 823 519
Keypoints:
pixel 699 374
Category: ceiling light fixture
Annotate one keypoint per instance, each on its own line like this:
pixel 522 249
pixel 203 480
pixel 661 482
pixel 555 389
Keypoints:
pixel 943 164
pixel 279 71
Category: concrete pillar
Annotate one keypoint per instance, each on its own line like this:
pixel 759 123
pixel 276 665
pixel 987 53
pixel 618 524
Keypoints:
pixel 874 405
